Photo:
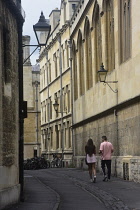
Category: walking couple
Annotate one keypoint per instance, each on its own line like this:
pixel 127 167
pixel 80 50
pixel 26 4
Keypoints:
pixel 106 150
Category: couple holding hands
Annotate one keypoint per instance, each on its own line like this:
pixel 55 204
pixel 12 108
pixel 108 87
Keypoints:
pixel 106 150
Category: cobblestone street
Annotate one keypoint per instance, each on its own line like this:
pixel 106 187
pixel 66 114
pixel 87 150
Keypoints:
pixel 70 189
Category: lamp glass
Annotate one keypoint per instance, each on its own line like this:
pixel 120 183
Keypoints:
pixel 42 35
pixel 102 76
pixel 102 73
pixel 42 30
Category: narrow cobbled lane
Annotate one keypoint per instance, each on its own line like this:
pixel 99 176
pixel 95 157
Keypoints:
pixel 70 189
pixel 72 196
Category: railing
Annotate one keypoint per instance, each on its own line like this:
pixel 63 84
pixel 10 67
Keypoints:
pixel 18 4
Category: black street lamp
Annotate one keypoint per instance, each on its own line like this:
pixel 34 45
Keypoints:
pixel 42 31
pixel 56 105
pixel 102 73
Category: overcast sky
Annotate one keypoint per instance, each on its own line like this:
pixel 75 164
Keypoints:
pixel 33 10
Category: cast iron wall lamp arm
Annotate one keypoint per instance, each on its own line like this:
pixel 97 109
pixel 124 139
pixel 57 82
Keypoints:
pixel 37 46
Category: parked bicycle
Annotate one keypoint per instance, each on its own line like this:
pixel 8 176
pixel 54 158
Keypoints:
pixel 56 162
pixel 36 163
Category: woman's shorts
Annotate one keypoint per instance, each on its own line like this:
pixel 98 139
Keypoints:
pixel 91 159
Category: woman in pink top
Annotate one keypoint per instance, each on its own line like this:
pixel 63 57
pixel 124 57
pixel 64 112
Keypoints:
pixel 90 150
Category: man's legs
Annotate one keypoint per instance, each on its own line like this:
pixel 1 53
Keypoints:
pixel 103 167
pixel 108 164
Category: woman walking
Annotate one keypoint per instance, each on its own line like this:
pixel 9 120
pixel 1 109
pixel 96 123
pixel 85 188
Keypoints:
pixel 90 150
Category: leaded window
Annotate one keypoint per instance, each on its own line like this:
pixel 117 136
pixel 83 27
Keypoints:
pixel 125 30
pixel 81 64
pixel 89 78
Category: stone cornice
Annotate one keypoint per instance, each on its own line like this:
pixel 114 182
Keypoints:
pixel 78 17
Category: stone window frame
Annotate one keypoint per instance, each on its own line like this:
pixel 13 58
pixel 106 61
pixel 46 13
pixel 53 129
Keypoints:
pixel 45 77
pixel 57 131
pixel 49 108
pixel 96 19
pixel 46 74
pixel 49 66
pixel 73 6
pixel 46 135
pixel 67 53
pixel 57 98
pixel 51 137
pixel 55 64
pixel 41 78
pixel 58 61
pixel 42 112
pixel 47 111
pixel 63 57
pixel 81 63
pixel 64 98
pixel 125 30
pixel 75 72
pixel 69 135
pixel 109 31
pixel 88 55
pixel 45 114
pixel 68 93
pixel 64 10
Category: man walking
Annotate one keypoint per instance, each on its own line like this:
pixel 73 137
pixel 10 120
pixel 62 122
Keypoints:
pixel 106 149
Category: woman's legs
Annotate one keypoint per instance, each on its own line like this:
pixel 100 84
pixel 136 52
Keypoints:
pixel 90 170
pixel 94 171
pixel 94 168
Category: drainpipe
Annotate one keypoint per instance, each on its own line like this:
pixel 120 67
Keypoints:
pixel 36 86
pixel 48 135
pixel 21 112
pixel 117 136
pixel 71 84
pixel 61 104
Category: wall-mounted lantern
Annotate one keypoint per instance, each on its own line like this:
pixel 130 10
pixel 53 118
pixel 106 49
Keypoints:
pixel 56 106
pixel 102 73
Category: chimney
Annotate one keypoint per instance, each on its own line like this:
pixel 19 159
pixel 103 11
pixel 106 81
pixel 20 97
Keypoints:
pixel 54 18
pixel 26 50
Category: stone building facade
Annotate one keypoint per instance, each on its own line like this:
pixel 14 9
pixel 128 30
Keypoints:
pixel 98 31
pixel 31 84
pixel 107 32
pixel 11 21
pixel 55 82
